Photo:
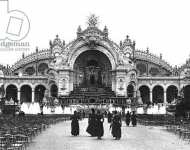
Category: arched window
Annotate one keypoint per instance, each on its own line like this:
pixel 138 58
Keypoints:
pixel 54 90
pixel 158 94
pixel 141 68
pixel 30 70
pixel 130 90
pixel 154 71
pixel 171 93
pixel 42 68
pixel 11 92
pixel 39 93
pixel 145 94
pixel 26 93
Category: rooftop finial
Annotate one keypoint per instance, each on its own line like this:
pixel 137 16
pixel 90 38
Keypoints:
pixel 79 30
pixel 105 31
pixel 147 50
pixel 121 43
pixel 92 20
pixel 36 49
pixel 160 55
pixel 127 37
pixel 134 43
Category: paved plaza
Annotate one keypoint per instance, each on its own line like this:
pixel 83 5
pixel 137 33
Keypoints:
pixel 58 137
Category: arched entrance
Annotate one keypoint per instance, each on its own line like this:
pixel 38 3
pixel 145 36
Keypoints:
pixel 11 92
pixel 158 94
pixel 187 94
pixel 145 94
pixel 130 91
pixel 39 93
pixel 92 69
pixel 171 93
pixel 54 90
pixel 25 93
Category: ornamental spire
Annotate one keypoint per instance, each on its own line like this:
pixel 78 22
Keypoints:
pixel 92 20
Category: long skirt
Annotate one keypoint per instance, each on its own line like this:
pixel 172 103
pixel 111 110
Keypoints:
pixel 100 129
pixel 116 130
pixel 92 128
pixel 127 121
pixel 134 121
pixel 75 128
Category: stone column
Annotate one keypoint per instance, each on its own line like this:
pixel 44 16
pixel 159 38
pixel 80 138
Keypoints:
pixel 33 95
pixel 165 97
pixel 151 100
pixel 18 96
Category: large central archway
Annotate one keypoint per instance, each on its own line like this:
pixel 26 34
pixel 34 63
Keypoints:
pixel 92 68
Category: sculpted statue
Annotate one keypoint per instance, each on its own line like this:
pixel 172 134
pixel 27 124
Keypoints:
pixel 121 83
pixel 92 20
pixel 120 62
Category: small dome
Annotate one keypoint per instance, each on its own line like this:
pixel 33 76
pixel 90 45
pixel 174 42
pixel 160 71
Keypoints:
pixel 57 41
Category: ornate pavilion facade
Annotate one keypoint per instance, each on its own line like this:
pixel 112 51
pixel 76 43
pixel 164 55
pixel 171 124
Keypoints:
pixel 94 69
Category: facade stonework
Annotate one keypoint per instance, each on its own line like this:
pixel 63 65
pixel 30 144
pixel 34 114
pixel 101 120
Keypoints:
pixel 90 62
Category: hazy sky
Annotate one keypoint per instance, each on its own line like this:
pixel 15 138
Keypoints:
pixel 161 25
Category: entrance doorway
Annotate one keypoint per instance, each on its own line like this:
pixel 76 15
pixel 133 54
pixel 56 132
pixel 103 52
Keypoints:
pixel 92 68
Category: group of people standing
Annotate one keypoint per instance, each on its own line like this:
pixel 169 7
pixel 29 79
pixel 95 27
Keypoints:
pixel 131 118
pixel 95 123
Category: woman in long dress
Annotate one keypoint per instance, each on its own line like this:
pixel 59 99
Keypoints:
pixel 116 126
pixel 92 123
pixel 127 118
pixel 75 124
pixel 134 119
pixel 109 117
pixel 100 127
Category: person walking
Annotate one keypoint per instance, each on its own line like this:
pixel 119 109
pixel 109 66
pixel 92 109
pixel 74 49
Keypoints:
pixel 83 114
pixel 75 124
pixel 109 117
pixel 127 118
pixel 134 119
pixel 116 126
pixel 92 123
pixel 100 127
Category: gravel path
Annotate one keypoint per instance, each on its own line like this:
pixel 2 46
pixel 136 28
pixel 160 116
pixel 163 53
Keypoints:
pixel 58 137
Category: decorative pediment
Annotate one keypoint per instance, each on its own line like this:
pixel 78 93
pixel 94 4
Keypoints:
pixel 93 33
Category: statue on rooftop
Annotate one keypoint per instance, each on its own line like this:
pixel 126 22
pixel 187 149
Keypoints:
pixel 92 20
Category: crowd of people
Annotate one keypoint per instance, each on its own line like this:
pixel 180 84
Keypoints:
pixel 96 120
